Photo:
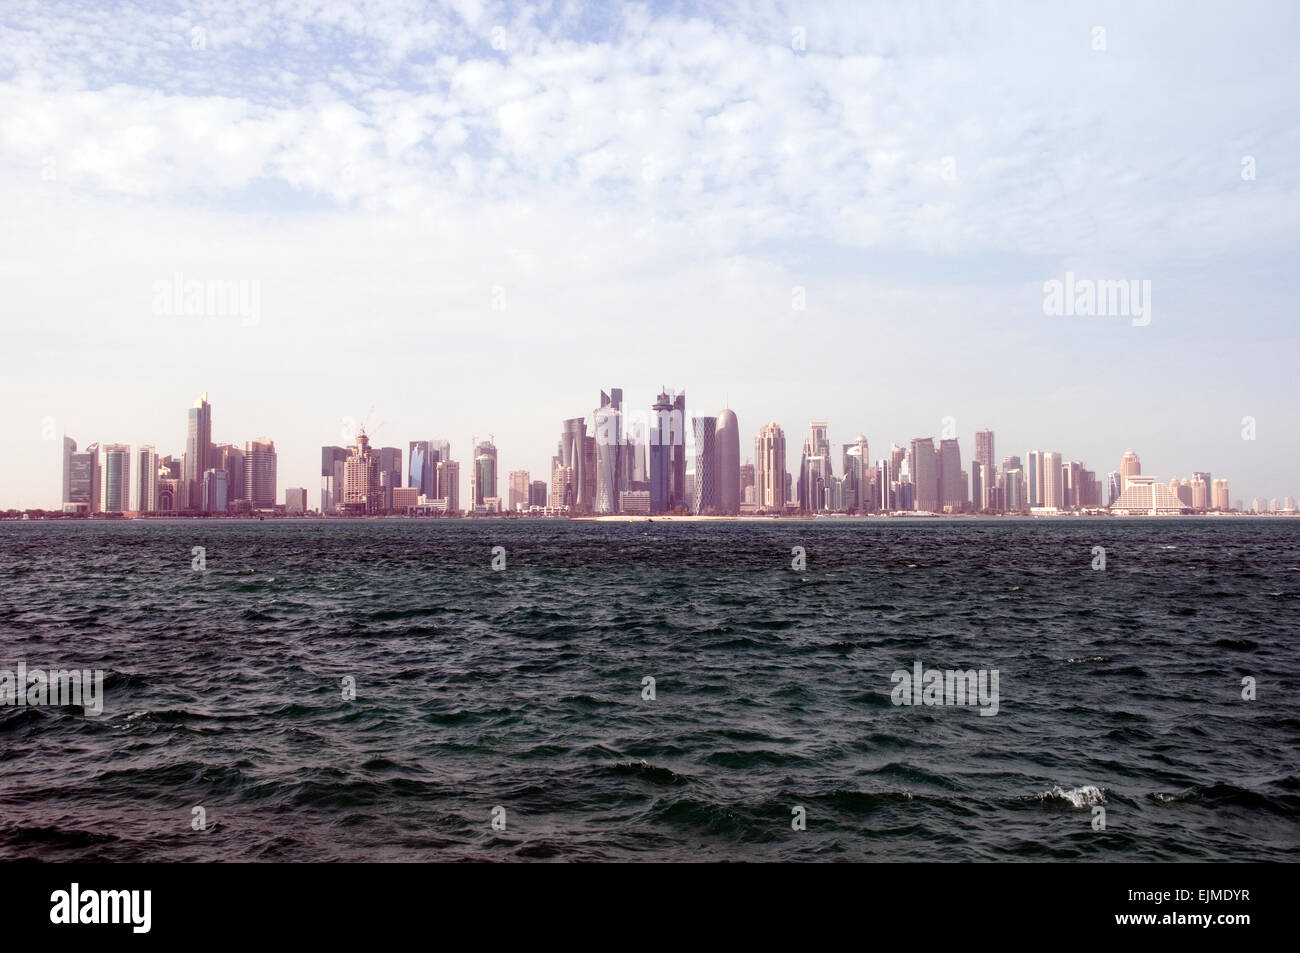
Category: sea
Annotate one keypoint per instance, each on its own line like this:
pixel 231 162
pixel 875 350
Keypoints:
pixel 524 690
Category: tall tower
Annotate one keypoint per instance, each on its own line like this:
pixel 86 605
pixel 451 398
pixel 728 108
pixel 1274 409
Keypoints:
pixel 726 447
pixel 1129 465
pixel 665 431
pixel 146 493
pixel 704 432
pixel 770 490
pixel 198 448
pixel 1053 481
pixel 260 473
pixel 923 464
pixel 117 478
pixel 611 466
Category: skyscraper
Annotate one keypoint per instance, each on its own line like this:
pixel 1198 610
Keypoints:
pixel 333 468
pixel 231 459
pixel 770 476
pixel 260 473
pixel 483 477
pixel 1221 495
pixel 611 475
pixel 518 492
pixel 390 473
pixel 667 451
pixel 69 448
pixel 952 488
pixel 1129 465
pixel 573 440
pixel 146 488
pixel 83 481
pixel 705 488
pixel 198 448
pixel 117 478
pixel 422 463
pixel 923 464
pixel 984 448
pixel 1053 490
pixel 448 473
pixel 726 449
pixel 1034 478
pixel 363 493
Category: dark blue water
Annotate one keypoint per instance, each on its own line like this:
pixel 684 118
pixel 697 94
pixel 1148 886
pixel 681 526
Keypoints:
pixel 522 689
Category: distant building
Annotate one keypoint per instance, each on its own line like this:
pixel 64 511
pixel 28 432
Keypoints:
pixel 448 473
pixel 390 473
pixel 726 460
pixel 704 488
pixel 82 478
pixel 771 480
pixel 198 448
pixel 295 500
pixel 260 473
pixel 216 492
pixel 333 466
pixel 537 493
pixel 422 468
pixel 117 478
pixel 517 498
pixel 1221 496
pixel 922 462
pixel 1143 496
pixel 1053 481
pixel 635 502
pixel 952 488
pixel 404 497
pixel 363 493
pixel 146 485
pixel 1129 465
pixel 562 491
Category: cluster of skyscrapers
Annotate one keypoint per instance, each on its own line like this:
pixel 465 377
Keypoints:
pixel 207 478
pixel 656 460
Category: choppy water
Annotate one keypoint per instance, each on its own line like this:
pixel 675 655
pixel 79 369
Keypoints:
pixel 523 689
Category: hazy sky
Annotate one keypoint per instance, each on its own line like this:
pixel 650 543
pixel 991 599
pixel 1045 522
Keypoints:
pixel 469 218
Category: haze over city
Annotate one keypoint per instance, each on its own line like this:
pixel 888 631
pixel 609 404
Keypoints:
pixel 468 220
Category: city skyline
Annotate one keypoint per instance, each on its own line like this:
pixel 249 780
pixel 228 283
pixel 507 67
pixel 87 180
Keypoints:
pixel 684 449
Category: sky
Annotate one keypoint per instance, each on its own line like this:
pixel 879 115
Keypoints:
pixel 469 218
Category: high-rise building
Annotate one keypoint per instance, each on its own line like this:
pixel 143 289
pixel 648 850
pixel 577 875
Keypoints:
pixel 815 467
pixel 363 493
pixel 770 476
pixel 231 459
pixel 984 448
pixel 952 488
pixel 1053 488
pixel 1113 486
pixel 1034 477
pixel 667 452
pixel 980 486
pixel 1143 496
pixel 1129 465
pixel 295 500
pixel 117 478
pixel 390 473
pixel 260 473
pixel 448 475
pixel 923 464
pixel 333 468
pixel 573 439
pixel 83 479
pixel 726 460
pixel 1202 487
pixel 885 481
pixel 146 485
pixel 747 482
pixel 1221 496
pixel 561 487
pixel 517 497
pixel 69 448
pixel 704 490
pixel 216 491
pixel 537 493
pixel 198 448
pixel 611 465
pixel 483 477
pixel 1013 490
pixel 421 471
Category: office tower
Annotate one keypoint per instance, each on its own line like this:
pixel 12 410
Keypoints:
pixel 295 500
pixel 979 486
pixel 1053 490
pixel 726 461
pixel 537 493
pixel 1113 481
pixel 855 460
pixel 747 482
pixel 198 448
pixel 1182 489
pixel 704 489
pixel 421 471
pixel 897 456
pixel 216 492
pixel 83 481
pixel 769 468
pixel 1129 465
pixel 815 467
pixel 169 489
pixel 611 475
pixel 667 438
pixel 1072 484
pixel 448 474
pixel 483 476
pixel 573 440
pixel 984 449
pixel 231 459
pixel 390 473
pixel 561 487
pixel 924 467
pixel 117 478
pixel 885 479
pixel 69 448
pixel 333 468
pixel 952 487
pixel 363 493
pixel 1260 505
pixel 1013 490
pixel 518 492
pixel 1288 502
pixel 260 473
pixel 1221 496
pixel 146 486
